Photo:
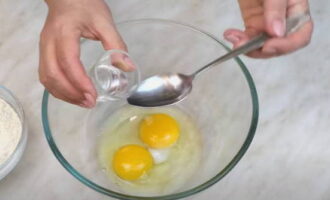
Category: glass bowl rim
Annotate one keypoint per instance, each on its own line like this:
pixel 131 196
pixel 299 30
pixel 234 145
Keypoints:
pixel 199 188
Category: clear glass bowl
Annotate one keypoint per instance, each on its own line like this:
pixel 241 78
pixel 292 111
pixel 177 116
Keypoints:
pixel 12 161
pixel 223 103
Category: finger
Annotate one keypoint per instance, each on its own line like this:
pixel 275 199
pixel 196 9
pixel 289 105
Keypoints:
pixel 239 38
pixel 69 99
pixel 290 43
pixel 275 15
pixel 235 36
pixel 111 39
pixel 297 7
pixel 279 46
pixel 68 53
pixel 53 78
pixel 122 61
pixel 55 83
pixel 259 54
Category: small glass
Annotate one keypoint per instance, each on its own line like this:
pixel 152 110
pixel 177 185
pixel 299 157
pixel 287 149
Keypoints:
pixel 110 82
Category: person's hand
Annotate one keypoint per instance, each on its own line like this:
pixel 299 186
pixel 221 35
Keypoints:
pixel 60 68
pixel 270 16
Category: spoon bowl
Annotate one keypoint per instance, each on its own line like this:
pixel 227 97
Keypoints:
pixel 161 90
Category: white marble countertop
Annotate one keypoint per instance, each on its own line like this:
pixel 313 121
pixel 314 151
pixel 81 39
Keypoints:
pixel 289 158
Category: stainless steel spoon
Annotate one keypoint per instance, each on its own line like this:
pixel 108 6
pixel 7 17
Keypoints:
pixel 167 89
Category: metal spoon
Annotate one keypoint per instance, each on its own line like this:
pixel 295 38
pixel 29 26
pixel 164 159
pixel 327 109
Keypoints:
pixel 167 89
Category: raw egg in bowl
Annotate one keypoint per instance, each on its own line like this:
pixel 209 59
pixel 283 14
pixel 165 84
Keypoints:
pixel 169 152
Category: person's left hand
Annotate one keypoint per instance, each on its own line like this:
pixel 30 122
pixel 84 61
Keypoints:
pixel 270 16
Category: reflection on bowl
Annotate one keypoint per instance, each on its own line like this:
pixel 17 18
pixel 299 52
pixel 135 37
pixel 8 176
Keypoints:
pixel 223 103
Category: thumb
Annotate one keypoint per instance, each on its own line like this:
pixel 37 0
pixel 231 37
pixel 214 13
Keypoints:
pixel 111 39
pixel 275 17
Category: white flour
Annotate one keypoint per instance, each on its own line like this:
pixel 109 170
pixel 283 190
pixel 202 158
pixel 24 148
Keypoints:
pixel 10 130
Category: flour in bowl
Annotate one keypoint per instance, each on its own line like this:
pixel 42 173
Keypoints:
pixel 10 131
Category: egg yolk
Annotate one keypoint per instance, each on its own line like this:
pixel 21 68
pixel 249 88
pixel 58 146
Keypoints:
pixel 130 162
pixel 159 130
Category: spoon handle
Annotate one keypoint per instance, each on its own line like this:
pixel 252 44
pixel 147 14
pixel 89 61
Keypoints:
pixel 292 24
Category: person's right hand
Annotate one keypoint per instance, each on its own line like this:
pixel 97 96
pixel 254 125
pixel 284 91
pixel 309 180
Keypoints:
pixel 60 68
pixel 270 16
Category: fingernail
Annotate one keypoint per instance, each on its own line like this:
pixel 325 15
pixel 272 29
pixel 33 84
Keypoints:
pixel 269 51
pixel 129 63
pixel 89 101
pixel 278 27
pixel 123 62
pixel 232 38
